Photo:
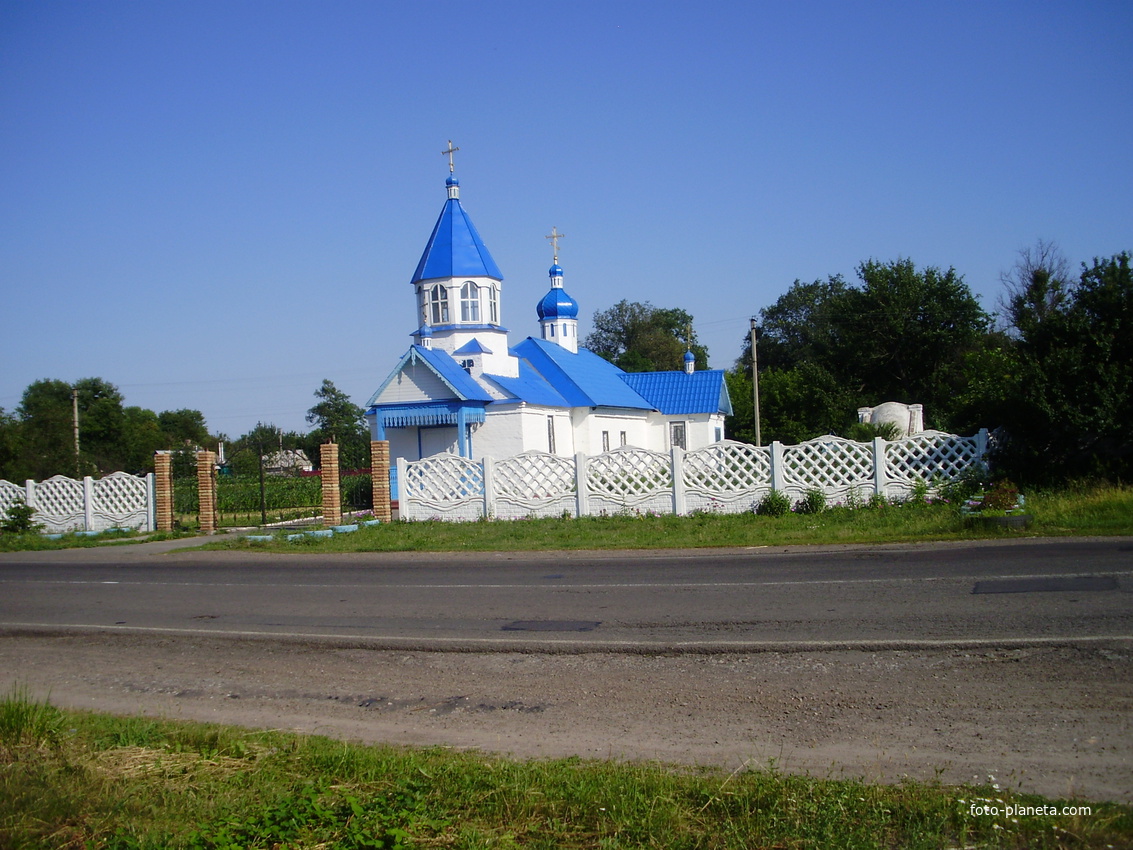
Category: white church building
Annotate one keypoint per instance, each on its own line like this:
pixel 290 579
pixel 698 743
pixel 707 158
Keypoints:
pixel 463 388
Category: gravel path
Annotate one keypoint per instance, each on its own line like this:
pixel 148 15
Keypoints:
pixel 1053 720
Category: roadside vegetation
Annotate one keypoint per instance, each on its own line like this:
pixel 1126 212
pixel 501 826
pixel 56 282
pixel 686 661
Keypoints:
pixel 82 780
pixel 1085 511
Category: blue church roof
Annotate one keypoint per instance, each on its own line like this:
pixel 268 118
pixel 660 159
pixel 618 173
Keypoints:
pixel 679 393
pixel 455 248
pixel 583 379
pixel 530 387
pixel 556 304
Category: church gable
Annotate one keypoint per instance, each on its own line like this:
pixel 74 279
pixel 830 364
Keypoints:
pixel 425 375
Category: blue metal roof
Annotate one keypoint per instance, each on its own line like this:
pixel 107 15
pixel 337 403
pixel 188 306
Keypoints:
pixel 473 346
pixel 679 393
pixel 556 304
pixel 455 248
pixel 530 387
pixel 583 379
pixel 444 367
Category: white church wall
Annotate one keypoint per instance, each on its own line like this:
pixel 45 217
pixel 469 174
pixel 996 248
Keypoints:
pixel 439 439
pixel 499 435
pixel 601 429
pixel 523 429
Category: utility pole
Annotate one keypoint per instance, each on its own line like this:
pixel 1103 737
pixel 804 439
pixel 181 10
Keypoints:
pixel 75 419
pixel 755 384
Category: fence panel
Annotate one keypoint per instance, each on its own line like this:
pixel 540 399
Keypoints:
pixel 62 504
pixel 726 477
pixel 629 480
pixel 533 484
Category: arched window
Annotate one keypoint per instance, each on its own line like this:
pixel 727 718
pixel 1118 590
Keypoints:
pixel 493 305
pixel 438 302
pixel 469 302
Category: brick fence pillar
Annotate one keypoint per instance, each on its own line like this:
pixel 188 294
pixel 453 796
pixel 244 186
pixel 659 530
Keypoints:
pixel 163 490
pixel 379 476
pixel 206 492
pixel 332 494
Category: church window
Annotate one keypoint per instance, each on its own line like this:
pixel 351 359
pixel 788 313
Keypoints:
pixel 438 303
pixel 678 435
pixel 551 434
pixel 623 438
pixel 493 305
pixel 552 327
pixel 467 365
pixel 469 302
pixel 605 441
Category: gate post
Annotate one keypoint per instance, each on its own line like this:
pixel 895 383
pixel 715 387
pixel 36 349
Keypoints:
pixel 379 479
pixel 332 495
pixel 206 492
pixel 163 481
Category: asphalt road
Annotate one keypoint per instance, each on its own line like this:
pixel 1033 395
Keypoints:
pixel 1014 593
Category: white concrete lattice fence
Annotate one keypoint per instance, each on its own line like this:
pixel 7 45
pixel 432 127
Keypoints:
pixel 726 477
pixel 62 504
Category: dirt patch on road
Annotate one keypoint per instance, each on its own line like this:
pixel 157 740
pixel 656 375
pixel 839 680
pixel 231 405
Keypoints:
pixel 1054 720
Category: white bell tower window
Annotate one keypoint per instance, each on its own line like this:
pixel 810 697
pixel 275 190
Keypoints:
pixel 493 305
pixel 469 302
pixel 438 305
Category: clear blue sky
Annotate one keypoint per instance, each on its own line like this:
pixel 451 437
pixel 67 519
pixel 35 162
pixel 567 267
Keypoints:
pixel 216 205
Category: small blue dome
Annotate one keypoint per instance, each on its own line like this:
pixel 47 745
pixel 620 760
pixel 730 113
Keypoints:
pixel 452 181
pixel 556 270
pixel 556 304
pixel 690 357
pixel 424 330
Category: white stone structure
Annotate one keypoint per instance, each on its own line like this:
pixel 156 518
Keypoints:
pixel 908 418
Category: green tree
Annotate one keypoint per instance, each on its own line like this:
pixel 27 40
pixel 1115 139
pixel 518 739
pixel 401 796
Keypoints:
pixel 184 427
pixel 638 337
pixel 47 443
pixel 901 334
pixel 9 446
pixel 1073 395
pixel 141 437
pixel 102 424
pixel 337 419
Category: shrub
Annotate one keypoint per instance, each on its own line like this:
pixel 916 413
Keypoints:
pixel 19 519
pixel 773 504
pixel 1002 497
pixel 812 502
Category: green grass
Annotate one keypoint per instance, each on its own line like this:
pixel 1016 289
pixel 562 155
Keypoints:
pixel 111 782
pixel 1086 511
pixel 33 541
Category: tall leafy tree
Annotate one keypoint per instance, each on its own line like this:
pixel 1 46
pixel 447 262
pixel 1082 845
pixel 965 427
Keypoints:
pixel 47 445
pixel 1073 393
pixel 336 418
pixel 638 337
pixel 901 334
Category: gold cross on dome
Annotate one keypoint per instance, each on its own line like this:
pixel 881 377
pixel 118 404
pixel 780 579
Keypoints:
pixel 555 237
pixel 449 152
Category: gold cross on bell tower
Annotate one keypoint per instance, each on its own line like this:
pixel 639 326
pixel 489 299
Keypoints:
pixel 555 237
pixel 449 152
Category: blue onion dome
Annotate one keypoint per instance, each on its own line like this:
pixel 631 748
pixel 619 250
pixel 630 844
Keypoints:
pixel 556 304
pixel 556 270
pixel 424 330
pixel 452 181
pixel 690 357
